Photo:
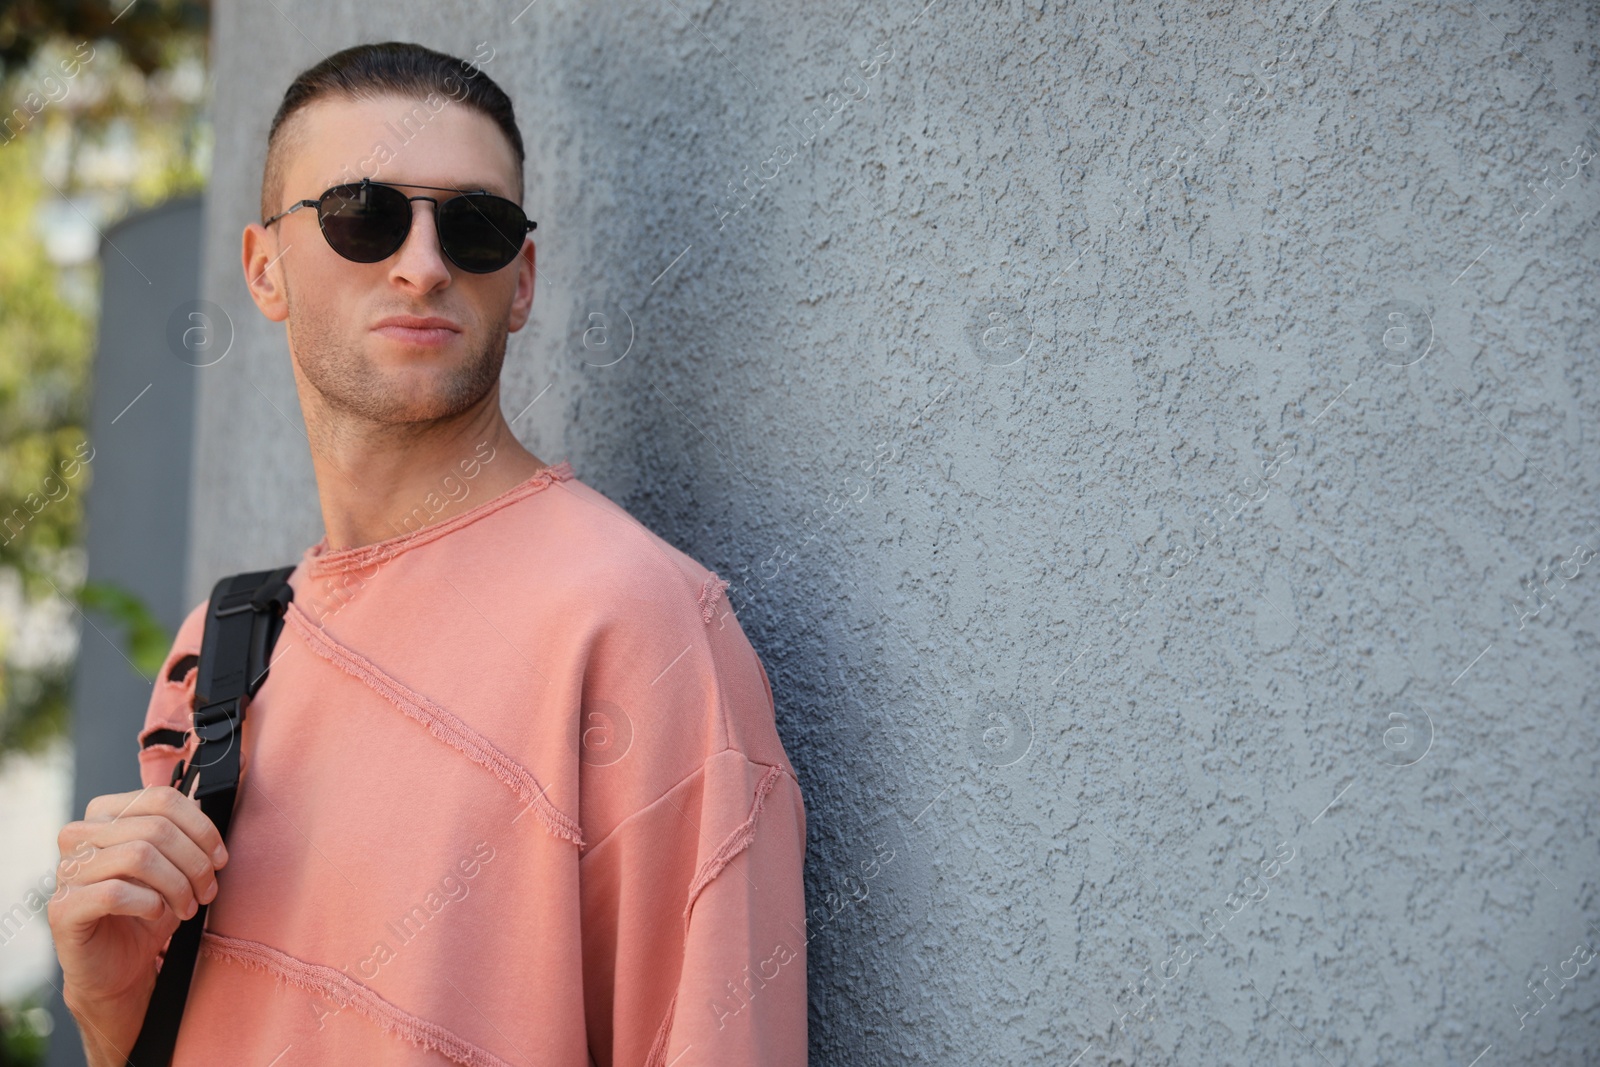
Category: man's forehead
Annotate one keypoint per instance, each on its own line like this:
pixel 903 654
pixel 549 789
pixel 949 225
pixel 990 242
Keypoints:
pixel 384 158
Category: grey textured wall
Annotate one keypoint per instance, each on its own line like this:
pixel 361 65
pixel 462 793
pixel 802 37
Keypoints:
pixel 1153 451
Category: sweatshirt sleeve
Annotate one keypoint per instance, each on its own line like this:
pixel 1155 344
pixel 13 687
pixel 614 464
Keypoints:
pixel 691 877
pixel 698 918
pixel 166 736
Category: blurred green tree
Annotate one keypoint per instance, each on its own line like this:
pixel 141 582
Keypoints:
pixel 144 30
pixel 127 129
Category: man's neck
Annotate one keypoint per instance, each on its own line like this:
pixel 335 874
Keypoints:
pixel 373 488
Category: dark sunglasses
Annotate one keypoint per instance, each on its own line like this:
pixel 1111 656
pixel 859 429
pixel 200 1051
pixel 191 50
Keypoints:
pixel 368 221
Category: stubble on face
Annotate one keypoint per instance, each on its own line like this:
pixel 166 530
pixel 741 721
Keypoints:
pixel 352 384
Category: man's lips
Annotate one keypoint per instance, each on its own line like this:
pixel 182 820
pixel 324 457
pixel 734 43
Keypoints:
pixel 410 329
pixel 412 335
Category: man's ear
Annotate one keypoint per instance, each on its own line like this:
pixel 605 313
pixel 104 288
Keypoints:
pixel 263 264
pixel 522 300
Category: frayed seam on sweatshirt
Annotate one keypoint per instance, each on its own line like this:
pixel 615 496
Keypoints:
pixel 735 843
pixel 336 986
pixel 709 592
pixel 325 562
pixel 658 1048
pixel 442 723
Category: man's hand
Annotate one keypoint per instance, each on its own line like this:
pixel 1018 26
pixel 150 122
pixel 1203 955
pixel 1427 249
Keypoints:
pixel 136 866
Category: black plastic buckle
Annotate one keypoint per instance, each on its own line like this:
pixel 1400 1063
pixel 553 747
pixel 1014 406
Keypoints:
pixel 269 595
pixel 216 722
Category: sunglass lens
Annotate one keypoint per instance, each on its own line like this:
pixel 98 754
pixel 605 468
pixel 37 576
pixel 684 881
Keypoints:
pixel 365 223
pixel 481 233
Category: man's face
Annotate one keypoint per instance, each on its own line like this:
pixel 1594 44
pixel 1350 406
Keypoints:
pixel 333 306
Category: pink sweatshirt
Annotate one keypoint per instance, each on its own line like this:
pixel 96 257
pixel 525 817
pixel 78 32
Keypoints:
pixel 511 794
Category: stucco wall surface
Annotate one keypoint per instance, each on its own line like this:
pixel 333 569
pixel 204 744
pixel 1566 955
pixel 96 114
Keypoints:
pixel 1153 446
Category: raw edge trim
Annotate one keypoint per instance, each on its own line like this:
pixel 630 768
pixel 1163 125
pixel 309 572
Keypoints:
pixel 443 724
pixel 735 843
pixel 335 985
pixel 335 562
pixel 658 1048
pixel 709 592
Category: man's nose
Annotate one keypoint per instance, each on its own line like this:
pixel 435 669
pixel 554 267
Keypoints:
pixel 422 258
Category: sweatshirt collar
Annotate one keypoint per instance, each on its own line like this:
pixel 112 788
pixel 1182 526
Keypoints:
pixel 318 561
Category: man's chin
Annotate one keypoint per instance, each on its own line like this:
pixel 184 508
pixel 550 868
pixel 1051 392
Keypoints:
pixel 417 385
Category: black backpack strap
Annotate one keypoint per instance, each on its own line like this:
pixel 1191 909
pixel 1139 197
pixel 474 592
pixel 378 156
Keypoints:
pixel 242 624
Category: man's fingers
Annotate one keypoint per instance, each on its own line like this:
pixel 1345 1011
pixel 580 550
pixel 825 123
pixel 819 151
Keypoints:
pixel 77 911
pixel 160 800
pixel 114 805
pixel 139 854
pixel 139 861
pixel 174 845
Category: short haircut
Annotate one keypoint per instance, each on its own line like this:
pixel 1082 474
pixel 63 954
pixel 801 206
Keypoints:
pixel 367 71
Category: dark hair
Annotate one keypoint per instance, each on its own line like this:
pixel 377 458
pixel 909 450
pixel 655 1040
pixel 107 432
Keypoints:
pixel 400 68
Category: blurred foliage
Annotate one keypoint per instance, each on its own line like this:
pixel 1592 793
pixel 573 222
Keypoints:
pixel 144 30
pixel 147 640
pixel 24 1030
pixel 106 104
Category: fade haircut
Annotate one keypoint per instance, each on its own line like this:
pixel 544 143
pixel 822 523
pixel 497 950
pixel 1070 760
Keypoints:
pixel 368 71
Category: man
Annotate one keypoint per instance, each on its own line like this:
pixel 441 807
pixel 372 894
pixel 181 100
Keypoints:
pixel 512 791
